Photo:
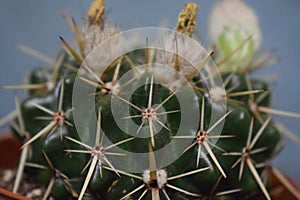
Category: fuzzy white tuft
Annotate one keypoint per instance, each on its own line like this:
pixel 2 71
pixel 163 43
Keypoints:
pixel 186 51
pixel 94 34
pixel 93 37
pixel 161 176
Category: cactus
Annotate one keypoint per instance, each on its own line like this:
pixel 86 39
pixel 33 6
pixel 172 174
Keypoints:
pixel 223 155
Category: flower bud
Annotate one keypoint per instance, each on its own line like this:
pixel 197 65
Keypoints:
pixel 234 32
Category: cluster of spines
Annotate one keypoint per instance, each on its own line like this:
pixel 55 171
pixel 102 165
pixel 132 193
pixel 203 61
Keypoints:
pixel 154 180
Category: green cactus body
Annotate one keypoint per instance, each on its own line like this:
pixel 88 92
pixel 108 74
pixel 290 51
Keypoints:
pixel 110 185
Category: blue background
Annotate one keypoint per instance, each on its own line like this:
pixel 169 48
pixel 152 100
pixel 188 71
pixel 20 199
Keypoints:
pixel 38 24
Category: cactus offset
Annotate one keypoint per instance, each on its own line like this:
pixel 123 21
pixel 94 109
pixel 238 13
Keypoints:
pixel 228 164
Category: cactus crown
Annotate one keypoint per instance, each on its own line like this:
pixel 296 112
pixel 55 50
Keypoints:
pixel 99 156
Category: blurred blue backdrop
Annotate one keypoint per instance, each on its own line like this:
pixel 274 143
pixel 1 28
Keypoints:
pixel 38 24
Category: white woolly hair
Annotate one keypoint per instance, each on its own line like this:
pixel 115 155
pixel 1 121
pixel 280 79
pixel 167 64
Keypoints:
pixel 188 58
pixel 94 35
pixel 161 177
pixel 170 44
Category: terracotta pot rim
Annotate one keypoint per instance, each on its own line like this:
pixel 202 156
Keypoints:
pixel 7 195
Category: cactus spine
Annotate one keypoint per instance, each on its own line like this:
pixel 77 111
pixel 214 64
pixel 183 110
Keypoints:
pixel 229 164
